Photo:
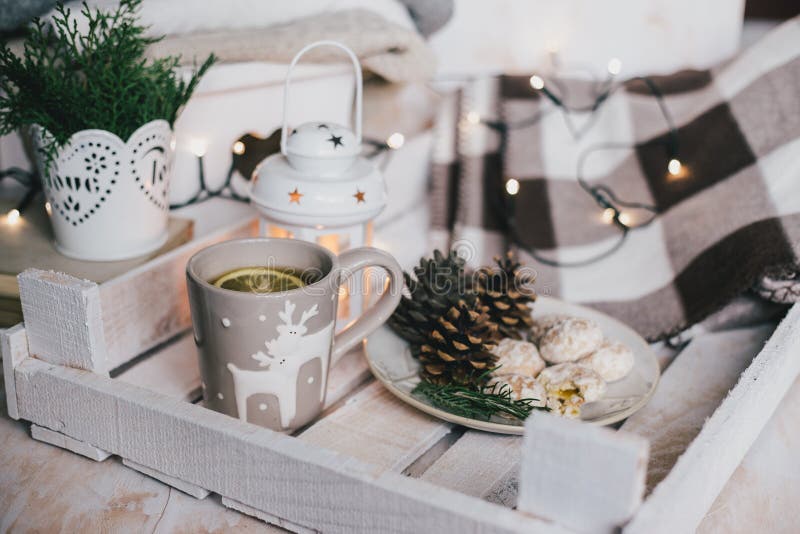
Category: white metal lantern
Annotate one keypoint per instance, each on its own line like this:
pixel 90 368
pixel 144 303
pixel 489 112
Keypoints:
pixel 319 188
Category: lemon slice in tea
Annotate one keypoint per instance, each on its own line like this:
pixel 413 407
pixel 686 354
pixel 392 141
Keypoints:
pixel 259 280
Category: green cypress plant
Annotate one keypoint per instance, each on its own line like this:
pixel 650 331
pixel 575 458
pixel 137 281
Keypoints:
pixel 66 80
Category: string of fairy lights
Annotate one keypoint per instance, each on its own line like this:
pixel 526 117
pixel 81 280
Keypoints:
pixel 613 209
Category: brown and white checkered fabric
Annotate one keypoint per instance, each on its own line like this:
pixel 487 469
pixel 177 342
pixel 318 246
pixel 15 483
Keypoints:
pixel 730 222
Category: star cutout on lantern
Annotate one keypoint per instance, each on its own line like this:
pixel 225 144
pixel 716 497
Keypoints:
pixel 359 196
pixel 336 140
pixel 294 196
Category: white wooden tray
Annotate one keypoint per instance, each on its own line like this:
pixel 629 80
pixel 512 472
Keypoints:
pixel 373 464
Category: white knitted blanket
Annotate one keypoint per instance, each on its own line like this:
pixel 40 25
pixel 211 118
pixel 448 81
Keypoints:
pixel 395 53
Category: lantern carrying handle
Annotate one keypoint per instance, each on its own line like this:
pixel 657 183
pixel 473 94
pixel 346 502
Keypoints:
pixel 358 77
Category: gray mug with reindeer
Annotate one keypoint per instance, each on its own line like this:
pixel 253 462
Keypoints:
pixel 264 357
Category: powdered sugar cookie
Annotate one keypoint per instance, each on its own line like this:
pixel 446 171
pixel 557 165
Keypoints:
pixel 569 386
pixel 612 360
pixel 521 387
pixel 542 324
pixel 570 340
pixel 515 357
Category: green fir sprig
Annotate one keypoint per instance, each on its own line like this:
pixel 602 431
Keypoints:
pixel 67 80
pixel 474 403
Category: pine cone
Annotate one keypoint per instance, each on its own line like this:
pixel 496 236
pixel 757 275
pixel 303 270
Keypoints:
pixel 438 284
pixel 457 348
pixel 506 291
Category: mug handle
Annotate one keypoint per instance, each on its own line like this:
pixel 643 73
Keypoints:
pixel 354 260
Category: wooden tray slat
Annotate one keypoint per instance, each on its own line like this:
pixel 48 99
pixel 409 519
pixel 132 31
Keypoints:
pixel 377 428
pixel 690 391
pixel 346 374
pixel 172 371
pixel 482 465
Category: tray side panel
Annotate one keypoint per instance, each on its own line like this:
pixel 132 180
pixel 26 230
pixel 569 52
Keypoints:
pixel 277 474
pixel 14 349
pixel 589 478
pixel 63 319
pixel 703 470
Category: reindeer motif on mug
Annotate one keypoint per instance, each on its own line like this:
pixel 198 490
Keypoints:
pixel 286 354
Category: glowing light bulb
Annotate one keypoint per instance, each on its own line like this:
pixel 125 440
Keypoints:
pixel 473 117
pixel 48 208
pixel 238 148
pixel 608 215
pixel 537 82
pixel 12 217
pixel 625 219
pixel 674 167
pixel 512 186
pixel 198 147
pixel 614 66
pixel 396 140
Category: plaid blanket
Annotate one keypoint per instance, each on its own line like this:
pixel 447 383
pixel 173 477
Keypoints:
pixel 727 222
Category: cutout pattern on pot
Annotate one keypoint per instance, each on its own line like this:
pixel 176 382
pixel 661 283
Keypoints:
pixel 76 196
pixel 96 164
pixel 150 163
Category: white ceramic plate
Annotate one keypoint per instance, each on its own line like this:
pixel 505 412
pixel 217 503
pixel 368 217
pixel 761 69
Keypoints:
pixel 391 362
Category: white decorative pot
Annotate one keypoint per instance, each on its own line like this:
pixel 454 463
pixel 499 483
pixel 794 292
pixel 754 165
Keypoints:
pixel 109 198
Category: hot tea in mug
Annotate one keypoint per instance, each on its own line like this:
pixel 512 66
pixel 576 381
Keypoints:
pixel 262 279
pixel 263 314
